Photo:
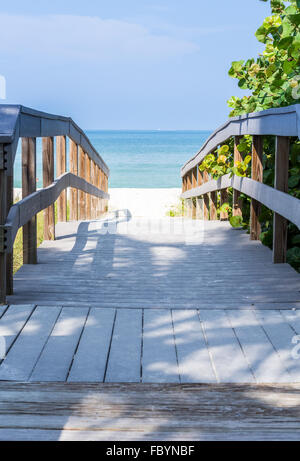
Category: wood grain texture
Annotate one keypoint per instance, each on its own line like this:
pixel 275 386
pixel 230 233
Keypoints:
pixel 29 187
pixel 88 179
pixel 82 195
pixel 154 412
pixel 223 200
pixel 3 214
pixel 48 178
pixel 61 168
pixel 280 224
pixel 74 170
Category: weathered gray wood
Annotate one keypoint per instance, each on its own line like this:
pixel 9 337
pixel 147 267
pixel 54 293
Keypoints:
pixel 280 202
pixel 237 202
pixel 193 356
pixel 90 360
pixel 124 364
pixel 56 358
pixel 282 121
pixel 228 359
pixel 149 412
pixel 28 188
pixel 12 323
pixel 21 359
pixel 9 256
pixel 263 359
pixel 159 361
pixel 20 121
pixel 281 335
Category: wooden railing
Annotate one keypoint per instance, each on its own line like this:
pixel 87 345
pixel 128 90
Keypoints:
pixel 282 123
pixel 87 177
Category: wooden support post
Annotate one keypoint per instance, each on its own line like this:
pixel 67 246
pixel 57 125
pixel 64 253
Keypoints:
pixel 224 199
pixel 48 178
pixel 88 179
pixel 257 175
pixel 29 187
pixel 3 215
pixel 74 170
pixel 99 187
pixel 194 184
pixel 189 180
pixel 199 208
pixel 237 203
pixel 94 182
pixel 281 183
pixel 82 195
pixel 10 256
pixel 106 190
pixel 61 168
pixel 213 206
pixel 206 198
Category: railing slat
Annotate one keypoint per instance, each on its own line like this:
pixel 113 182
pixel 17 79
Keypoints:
pixel 82 195
pixel 48 178
pixel 61 168
pixel 29 187
pixel 74 170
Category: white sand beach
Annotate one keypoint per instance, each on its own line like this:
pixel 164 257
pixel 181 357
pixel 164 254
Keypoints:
pixel 153 203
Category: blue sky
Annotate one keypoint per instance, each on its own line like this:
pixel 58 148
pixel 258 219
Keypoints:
pixel 134 64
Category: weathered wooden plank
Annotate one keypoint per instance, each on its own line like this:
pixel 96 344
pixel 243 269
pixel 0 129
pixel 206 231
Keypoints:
pixel 22 357
pixel 82 195
pixel 48 178
pixel 74 170
pixel 9 256
pixel 281 183
pixel 259 351
pixel 159 361
pixel 193 356
pixel 12 323
pixel 124 364
pixel 61 168
pixel 281 335
pixel 56 358
pixel 90 360
pixel 3 215
pixel 29 187
pixel 149 412
pixel 228 359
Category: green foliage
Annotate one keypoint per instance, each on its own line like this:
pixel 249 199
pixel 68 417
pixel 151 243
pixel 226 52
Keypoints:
pixel 236 221
pixel 273 79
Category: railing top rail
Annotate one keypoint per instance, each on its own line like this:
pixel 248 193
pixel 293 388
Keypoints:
pixel 283 121
pixel 17 121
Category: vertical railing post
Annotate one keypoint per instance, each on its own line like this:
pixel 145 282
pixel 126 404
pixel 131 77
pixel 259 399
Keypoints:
pixel 94 182
pixel 48 178
pixel 82 195
pixel 281 183
pixel 194 184
pixel 9 256
pixel 29 187
pixel 98 184
pixel 74 170
pixel 237 203
pixel 206 203
pixel 224 199
pixel 257 175
pixel 88 179
pixel 61 168
pixel 3 215
pixel 213 206
pixel 106 190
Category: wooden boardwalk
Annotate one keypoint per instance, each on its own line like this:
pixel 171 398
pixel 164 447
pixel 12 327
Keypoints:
pixel 166 301
pixel 134 412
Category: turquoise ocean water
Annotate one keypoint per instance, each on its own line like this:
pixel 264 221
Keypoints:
pixel 138 159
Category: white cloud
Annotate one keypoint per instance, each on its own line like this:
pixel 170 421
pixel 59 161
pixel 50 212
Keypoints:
pixel 85 38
